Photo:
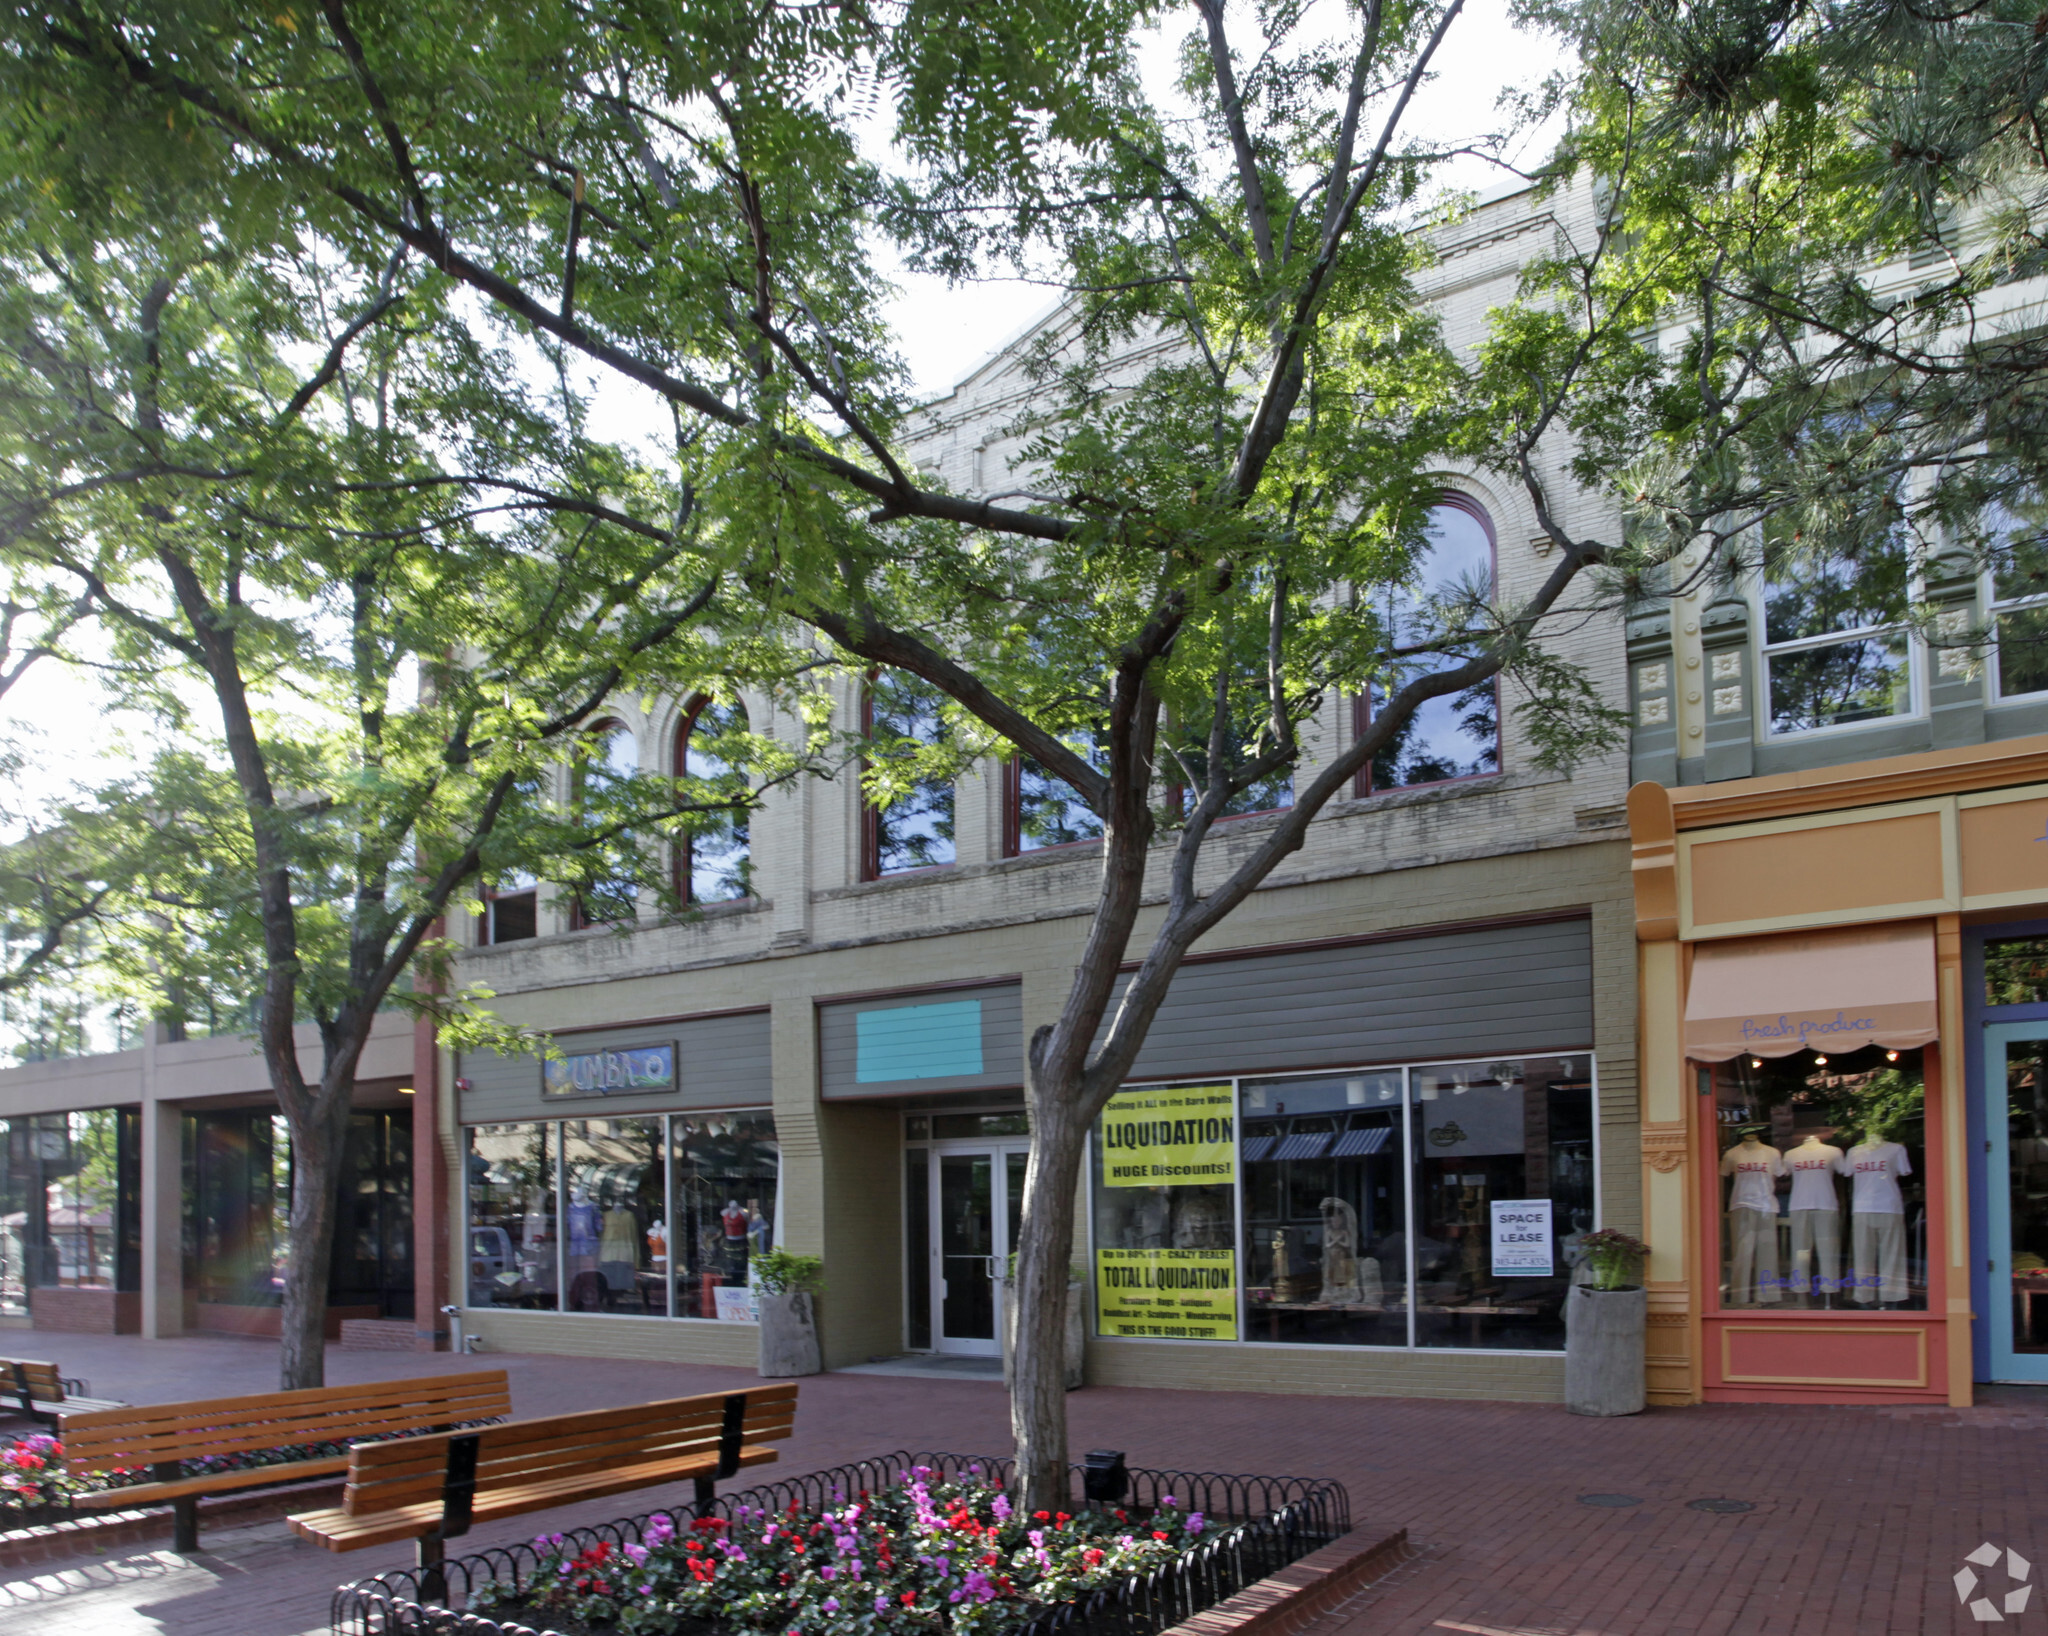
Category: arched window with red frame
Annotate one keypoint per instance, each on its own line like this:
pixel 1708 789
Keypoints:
pixel 1457 735
pixel 713 858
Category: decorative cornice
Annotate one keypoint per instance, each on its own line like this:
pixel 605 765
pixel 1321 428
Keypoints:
pixel 1859 784
pixel 1665 1150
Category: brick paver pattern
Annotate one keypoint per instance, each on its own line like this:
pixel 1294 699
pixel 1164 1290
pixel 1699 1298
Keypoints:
pixel 1861 1515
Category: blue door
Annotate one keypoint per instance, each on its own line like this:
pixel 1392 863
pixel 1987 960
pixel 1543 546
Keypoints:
pixel 2016 1199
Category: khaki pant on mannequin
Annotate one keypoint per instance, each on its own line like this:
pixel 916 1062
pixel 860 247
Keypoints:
pixel 1879 1251
pixel 1752 1256
pixel 1817 1251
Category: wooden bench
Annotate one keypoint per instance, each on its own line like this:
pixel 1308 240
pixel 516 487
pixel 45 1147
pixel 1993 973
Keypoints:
pixel 39 1392
pixel 160 1437
pixel 431 1489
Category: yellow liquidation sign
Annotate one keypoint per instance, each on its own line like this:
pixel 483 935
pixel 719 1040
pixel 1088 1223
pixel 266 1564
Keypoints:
pixel 1186 1295
pixel 1175 1136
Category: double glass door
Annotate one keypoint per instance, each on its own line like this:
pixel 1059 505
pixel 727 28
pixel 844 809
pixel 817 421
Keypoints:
pixel 2016 1196
pixel 976 1200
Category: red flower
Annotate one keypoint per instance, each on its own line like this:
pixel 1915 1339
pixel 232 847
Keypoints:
pixel 1092 1557
pixel 910 1599
pixel 1158 1534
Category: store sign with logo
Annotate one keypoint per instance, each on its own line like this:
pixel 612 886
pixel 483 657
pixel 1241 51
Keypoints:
pixel 1522 1246
pixel 1179 1295
pixel 632 1070
pixel 1170 1136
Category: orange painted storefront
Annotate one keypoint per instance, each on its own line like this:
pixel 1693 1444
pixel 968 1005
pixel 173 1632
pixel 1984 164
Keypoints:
pixel 1918 846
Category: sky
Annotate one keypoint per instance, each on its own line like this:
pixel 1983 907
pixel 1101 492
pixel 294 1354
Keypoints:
pixel 945 333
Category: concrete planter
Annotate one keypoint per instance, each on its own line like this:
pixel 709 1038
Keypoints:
pixel 789 1335
pixel 1603 1350
pixel 1077 1332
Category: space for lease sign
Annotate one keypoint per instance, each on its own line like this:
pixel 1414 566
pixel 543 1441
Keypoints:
pixel 1171 1136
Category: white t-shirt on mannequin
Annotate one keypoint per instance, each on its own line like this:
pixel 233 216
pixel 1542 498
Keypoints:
pixel 1876 1168
pixel 1813 1165
pixel 1756 1170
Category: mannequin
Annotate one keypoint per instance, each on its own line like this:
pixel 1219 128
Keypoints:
pixel 657 1246
pixel 734 1222
pixel 618 1255
pixel 1816 1217
pixel 1753 1219
pixel 1340 1254
pixel 1877 1217
pixel 757 1227
pixel 585 1228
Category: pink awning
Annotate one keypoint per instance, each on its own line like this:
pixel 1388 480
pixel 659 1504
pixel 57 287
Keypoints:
pixel 1828 991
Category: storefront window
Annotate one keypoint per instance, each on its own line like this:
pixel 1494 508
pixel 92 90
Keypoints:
pixel 1325 1210
pixel 512 1236
pixel 2026 1072
pixel 1820 1166
pixel 70 1194
pixel 727 1174
pixel 1435 1206
pixel 2015 970
pixel 612 1177
pixel 1503 1182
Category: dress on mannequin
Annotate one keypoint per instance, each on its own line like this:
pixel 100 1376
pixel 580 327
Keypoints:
pixel 1753 1221
pixel 618 1258
pixel 1877 1215
pixel 1816 1217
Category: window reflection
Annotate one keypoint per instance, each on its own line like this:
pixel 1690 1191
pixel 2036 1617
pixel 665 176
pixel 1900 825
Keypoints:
pixel 915 830
pixel 1458 735
pixel 1835 642
pixel 612 1173
pixel 1486 1134
pixel 1325 1207
pixel 512 1242
pixel 727 1170
pixel 713 860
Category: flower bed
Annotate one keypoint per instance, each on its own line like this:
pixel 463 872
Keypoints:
pixel 905 1545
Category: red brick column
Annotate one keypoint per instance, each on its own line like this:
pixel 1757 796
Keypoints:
pixel 429 1194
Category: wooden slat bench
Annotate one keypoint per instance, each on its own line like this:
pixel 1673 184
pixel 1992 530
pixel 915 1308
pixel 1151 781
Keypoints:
pixel 38 1391
pixel 431 1489
pixel 159 1437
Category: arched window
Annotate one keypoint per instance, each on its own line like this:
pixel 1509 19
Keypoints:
pixel 713 861
pixel 606 899
pixel 1458 734
pixel 915 830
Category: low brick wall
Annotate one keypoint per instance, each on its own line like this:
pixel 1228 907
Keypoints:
pixel 382 1335
pixel 99 1531
pixel 86 1311
pixel 1303 1592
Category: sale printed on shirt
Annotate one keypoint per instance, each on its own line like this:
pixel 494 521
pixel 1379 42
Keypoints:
pixel 1170 1136
pixel 1521 1238
pixel 1177 1295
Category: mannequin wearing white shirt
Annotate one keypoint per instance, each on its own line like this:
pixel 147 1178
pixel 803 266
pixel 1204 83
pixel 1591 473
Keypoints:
pixel 1877 1216
pixel 1816 1217
pixel 1753 1221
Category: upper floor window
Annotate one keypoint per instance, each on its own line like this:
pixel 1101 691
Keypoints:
pixel 1456 735
pixel 1837 647
pixel 713 862
pixel 607 897
pixel 1042 810
pixel 511 910
pixel 2018 606
pixel 914 829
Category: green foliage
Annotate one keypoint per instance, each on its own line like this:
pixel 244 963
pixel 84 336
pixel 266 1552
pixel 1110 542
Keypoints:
pixel 1615 1257
pixel 779 1272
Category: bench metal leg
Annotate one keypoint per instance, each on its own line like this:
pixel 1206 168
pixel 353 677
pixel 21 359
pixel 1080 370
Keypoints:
pixel 432 1550
pixel 185 1526
pixel 707 1491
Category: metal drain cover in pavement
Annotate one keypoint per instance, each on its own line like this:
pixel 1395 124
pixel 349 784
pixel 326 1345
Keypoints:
pixel 1616 1500
pixel 1727 1506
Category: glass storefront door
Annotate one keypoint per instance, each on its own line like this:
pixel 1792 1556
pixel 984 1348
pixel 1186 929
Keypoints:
pixel 975 1203
pixel 2016 1196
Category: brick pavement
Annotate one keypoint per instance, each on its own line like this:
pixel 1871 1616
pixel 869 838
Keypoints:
pixel 1861 1515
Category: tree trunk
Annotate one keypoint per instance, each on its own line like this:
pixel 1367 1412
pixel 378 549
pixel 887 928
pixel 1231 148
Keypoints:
pixel 317 1149
pixel 1038 1391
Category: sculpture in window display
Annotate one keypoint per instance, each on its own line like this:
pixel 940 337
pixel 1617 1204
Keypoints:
pixel 1291 1288
pixel 1203 1223
pixel 1340 1254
